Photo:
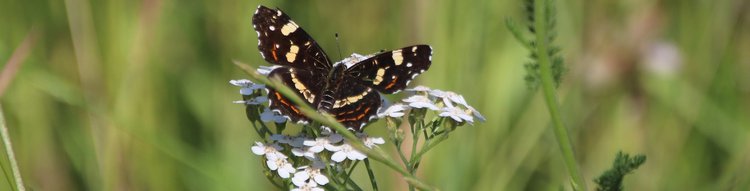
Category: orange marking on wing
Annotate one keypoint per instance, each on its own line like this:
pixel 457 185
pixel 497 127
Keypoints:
pixel 273 53
pixel 358 117
pixel 393 82
pixel 283 102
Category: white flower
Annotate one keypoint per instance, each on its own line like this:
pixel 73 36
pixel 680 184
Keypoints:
pixel 279 163
pixel 265 70
pixel 476 114
pixel 312 172
pixel 449 97
pixel 345 151
pixel 456 114
pixel 304 152
pixel 269 115
pixel 247 86
pixel 325 130
pixel 269 150
pixel 309 186
pixel 420 101
pixel 321 143
pixel 254 101
pixel 395 110
pixel 370 141
pixel 419 89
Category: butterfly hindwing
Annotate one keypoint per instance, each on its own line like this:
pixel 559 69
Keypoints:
pixel 304 83
pixel 281 41
pixel 354 104
pixel 391 71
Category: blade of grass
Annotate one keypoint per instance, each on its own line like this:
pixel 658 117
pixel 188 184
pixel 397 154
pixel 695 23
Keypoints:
pixel 375 153
pixel 9 152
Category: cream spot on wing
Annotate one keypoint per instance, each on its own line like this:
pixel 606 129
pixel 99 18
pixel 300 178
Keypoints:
pixel 397 57
pixel 351 99
pixel 272 28
pixel 289 28
pixel 292 54
pixel 414 49
pixel 278 12
pixel 302 88
pixel 379 77
pixel 408 64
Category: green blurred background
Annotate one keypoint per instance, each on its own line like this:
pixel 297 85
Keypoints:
pixel 134 95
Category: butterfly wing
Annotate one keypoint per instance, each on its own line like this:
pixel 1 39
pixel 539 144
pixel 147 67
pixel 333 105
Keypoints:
pixel 306 84
pixel 355 104
pixel 390 72
pixel 281 41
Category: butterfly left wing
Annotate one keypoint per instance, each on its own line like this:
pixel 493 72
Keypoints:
pixel 281 41
pixel 305 84
pixel 390 72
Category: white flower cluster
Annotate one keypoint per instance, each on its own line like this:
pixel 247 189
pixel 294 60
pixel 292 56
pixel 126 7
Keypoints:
pixel 247 88
pixel 309 176
pixel 447 103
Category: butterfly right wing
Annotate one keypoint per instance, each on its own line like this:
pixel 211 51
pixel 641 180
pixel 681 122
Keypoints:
pixel 281 41
pixel 304 83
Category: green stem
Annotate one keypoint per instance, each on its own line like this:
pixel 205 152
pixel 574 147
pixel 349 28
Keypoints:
pixel 9 152
pixel 375 153
pixel 372 175
pixel 540 23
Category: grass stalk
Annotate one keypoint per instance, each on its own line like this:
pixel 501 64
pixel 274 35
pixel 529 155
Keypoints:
pixel 9 152
pixel 375 153
pixel 550 96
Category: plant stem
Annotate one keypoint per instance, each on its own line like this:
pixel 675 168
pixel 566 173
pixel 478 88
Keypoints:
pixel 9 152
pixel 372 175
pixel 375 153
pixel 540 23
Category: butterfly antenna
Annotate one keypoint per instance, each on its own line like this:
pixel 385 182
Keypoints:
pixel 338 46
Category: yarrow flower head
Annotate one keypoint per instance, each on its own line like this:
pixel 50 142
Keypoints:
pixel 346 151
pixel 280 164
pixel 266 149
pixel 254 101
pixel 420 101
pixel 309 186
pixel 370 142
pixel 311 173
pixel 269 115
pixel 247 86
pixel 456 114
pixel 449 97
pixel 321 143
pixel 395 110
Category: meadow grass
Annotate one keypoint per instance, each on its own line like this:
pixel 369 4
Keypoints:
pixel 134 95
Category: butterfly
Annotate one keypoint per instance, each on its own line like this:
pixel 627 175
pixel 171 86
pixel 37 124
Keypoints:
pixel 347 91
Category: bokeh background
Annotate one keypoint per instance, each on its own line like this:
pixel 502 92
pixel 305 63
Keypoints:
pixel 134 95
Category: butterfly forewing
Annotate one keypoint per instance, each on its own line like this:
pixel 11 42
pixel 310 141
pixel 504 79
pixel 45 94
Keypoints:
pixel 304 83
pixel 281 41
pixel 391 71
